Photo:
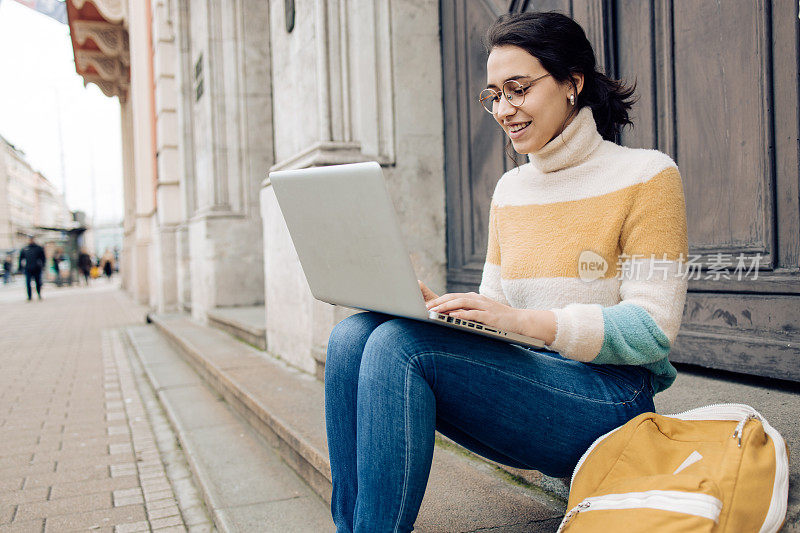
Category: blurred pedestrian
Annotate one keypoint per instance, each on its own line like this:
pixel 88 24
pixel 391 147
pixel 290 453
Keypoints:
pixel 32 260
pixel 58 257
pixel 107 263
pixel 85 264
pixel 7 269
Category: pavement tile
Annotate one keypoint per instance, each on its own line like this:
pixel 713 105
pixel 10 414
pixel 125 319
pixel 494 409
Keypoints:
pixel 129 496
pixel 42 447
pixel 62 506
pixel 166 522
pixel 96 519
pixel 25 496
pixel 70 453
pixel 131 500
pixel 135 527
pixel 163 512
pixel 10 484
pixel 19 441
pixel 28 526
pixel 7 513
pixel 202 528
pixel 161 504
pixel 25 435
pixel 67 476
pixel 20 459
pixel 102 442
pixel 26 470
pixel 95 431
pixel 87 461
pixel 126 469
pixel 63 490
pixel 157 495
pixel 156 487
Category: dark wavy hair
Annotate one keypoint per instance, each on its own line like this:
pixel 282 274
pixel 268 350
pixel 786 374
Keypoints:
pixel 561 46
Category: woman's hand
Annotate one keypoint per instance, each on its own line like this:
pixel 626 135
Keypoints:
pixel 539 324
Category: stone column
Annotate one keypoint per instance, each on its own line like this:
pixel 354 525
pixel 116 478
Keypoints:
pixel 232 151
pixel 168 197
pixel 143 147
pixel 376 83
pixel 129 198
pixel 186 177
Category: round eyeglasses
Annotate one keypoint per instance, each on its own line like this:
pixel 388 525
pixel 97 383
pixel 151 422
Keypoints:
pixel 513 90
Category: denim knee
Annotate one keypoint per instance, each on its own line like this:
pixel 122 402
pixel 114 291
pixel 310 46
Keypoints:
pixel 390 349
pixel 346 344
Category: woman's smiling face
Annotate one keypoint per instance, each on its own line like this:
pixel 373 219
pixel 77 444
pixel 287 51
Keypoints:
pixel 546 110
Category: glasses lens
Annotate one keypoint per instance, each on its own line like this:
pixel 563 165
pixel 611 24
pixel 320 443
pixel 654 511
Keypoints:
pixel 515 92
pixel 489 100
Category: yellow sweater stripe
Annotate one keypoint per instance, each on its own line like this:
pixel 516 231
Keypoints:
pixel 546 241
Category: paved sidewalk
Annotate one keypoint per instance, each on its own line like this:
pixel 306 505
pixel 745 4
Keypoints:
pixel 77 451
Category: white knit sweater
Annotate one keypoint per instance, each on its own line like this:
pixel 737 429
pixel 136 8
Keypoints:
pixel 596 233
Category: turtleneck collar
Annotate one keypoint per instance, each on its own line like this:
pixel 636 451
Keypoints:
pixel 578 140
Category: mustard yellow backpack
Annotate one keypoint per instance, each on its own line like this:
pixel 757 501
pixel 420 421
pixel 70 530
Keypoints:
pixel 720 468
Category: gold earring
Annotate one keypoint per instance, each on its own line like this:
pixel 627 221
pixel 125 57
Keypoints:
pixel 572 99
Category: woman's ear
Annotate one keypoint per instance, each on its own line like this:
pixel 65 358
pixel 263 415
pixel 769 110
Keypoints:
pixel 577 79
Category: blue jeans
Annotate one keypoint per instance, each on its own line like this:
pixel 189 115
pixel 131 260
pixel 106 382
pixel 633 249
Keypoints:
pixel 391 382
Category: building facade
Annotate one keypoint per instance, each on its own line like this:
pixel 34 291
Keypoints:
pixel 215 97
pixel 29 202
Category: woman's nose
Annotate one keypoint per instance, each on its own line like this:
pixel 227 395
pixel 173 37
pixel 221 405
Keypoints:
pixel 504 108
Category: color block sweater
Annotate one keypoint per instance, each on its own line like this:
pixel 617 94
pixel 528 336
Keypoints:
pixel 596 233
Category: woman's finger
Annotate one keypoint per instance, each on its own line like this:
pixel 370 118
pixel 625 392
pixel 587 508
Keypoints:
pixel 443 298
pixel 458 303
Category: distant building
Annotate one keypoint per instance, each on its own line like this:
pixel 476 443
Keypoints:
pixel 30 205
pixel 28 200
pixel 107 236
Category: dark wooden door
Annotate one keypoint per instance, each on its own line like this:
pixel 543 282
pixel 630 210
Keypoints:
pixel 719 93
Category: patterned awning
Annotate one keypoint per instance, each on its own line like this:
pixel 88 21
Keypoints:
pixel 100 44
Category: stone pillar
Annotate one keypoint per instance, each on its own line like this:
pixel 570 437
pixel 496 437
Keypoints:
pixel 129 198
pixel 144 163
pixel 168 194
pixel 377 97
pixel 232 144
pixel 186 177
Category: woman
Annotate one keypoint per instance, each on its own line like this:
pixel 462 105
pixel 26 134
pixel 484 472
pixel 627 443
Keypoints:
pixel 558 226
pixel 85 265
pixel 107 263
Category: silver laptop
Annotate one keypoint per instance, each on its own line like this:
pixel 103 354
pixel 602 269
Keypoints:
pixel 347 236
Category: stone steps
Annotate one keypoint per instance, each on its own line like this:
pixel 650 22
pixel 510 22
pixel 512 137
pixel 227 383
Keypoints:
pixel 286 407
pixel 289 412
pixel 247 324
pixel 244 484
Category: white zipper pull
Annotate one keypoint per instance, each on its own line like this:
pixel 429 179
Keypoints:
pixel 740 426
pixel 585 504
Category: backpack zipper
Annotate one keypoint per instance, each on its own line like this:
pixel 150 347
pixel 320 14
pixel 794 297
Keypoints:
pixel 742 413
pixel 691 503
